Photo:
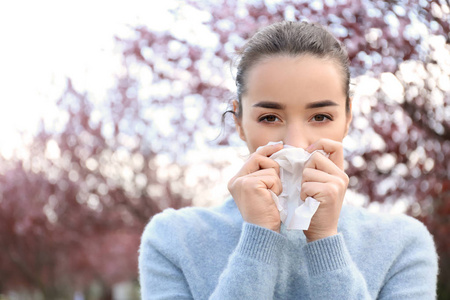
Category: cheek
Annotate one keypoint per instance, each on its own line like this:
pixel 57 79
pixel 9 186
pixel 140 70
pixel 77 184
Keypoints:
pixel 337 131
pixel 257 136
pixel 257 140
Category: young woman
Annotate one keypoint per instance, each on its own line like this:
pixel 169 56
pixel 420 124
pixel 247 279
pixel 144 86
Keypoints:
pixel 292 86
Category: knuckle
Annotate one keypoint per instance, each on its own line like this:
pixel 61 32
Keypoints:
pixel 276 167
pixel 274 172
pixel 278 183
pixel 315 155
pixel 307 172
pixel 334 189
pixel 255 157
pixel 343 179
pixel 230 186
pixel 244 182
pixel 305 187
pixel 247 184
pixel 251 159
pixel 231 183
pixel 346 179
pixel 240 182
pixel 278 188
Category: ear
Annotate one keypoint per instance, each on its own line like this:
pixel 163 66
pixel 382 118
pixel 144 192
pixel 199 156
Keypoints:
pixel 349 117
pixel 238 121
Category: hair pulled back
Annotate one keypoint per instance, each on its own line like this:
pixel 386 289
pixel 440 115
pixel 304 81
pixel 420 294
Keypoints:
pixel 292 39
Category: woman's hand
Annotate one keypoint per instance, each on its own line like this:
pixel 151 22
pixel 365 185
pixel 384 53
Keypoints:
pixel 324 179
pixel 250 188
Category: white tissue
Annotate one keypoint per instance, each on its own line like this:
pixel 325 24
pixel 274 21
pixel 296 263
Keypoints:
pixel 294 213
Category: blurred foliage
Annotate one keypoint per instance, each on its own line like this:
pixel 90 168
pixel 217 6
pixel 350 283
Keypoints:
pixel 73 205
pixel 72 209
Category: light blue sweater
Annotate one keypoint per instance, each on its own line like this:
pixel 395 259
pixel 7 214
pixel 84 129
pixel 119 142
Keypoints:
pixel 198 253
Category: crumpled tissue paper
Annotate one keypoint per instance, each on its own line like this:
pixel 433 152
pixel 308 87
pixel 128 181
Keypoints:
pixel 294 213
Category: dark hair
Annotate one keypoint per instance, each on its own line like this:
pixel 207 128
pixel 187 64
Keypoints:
pixel 293 39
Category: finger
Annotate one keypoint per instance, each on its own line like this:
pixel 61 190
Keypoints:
pixel 270 178
pixel 314 175
pixel 311 189
pixel 320 162
pixel 268 150
pixel 264 181
pixel 317 190
pixel 265 172
pixel 258 161
pixel 333 148
pixel 272 184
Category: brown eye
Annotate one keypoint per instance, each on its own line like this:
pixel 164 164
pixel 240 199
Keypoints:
pixel 269 119
pixel 321 118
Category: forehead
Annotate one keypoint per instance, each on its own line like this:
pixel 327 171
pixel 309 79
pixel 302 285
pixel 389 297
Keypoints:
pixel 305 78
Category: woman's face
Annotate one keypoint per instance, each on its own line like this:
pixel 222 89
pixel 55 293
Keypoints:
pixel 297 100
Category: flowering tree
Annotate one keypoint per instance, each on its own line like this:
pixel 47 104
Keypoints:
pixel 72 209
pixel 91 187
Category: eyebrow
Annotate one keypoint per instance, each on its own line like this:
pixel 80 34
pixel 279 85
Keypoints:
pixel 320 104
pixel 269 104
pixel 276 105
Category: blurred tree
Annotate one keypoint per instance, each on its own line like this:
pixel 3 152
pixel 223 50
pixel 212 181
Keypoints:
pixel 72 209
pixel 90 188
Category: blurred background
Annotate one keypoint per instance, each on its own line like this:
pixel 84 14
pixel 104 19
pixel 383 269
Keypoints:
pixel 112 112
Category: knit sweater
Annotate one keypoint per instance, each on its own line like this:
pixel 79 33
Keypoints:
pixel 200 253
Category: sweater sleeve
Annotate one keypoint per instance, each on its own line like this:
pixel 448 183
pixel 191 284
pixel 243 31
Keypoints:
pixel 160 277
pixel 252 268
pixel 333 275
pixel 412 274
pixel 251 271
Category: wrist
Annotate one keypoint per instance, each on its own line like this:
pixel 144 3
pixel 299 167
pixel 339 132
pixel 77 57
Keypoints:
pixel 311 237
pixel 275 228
pixel 274 225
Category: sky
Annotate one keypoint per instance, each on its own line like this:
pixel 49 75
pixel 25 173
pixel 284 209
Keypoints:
pixel 45 42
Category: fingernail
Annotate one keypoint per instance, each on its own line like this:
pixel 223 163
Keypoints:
pixel 310 147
